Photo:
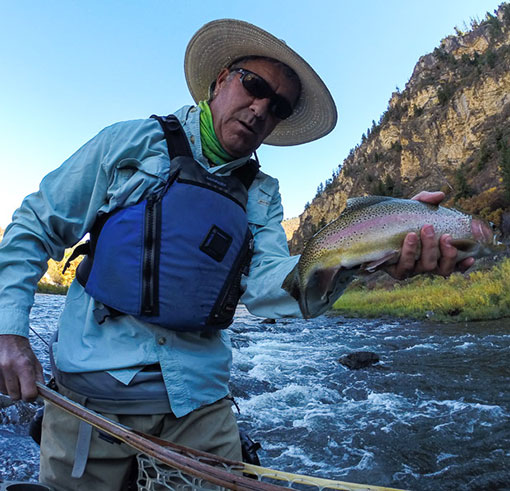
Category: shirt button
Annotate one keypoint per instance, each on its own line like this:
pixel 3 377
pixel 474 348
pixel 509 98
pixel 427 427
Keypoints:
pixel 192 139
pixel 161 341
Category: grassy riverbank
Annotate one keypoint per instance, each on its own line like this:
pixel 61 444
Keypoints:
pixel 475 296
pixel 49 288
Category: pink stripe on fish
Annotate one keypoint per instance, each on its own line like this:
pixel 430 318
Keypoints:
pixel 392 220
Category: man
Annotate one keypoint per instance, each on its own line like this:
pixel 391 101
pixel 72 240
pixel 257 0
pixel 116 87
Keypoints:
pixel 168 381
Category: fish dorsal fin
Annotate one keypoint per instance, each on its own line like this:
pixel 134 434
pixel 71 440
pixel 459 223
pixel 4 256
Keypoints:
pixel 354 204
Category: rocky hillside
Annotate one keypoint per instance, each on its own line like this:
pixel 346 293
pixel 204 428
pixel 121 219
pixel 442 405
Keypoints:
pixel 449 129
pixel 290 225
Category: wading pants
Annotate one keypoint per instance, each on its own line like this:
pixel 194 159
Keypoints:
pixel 211 428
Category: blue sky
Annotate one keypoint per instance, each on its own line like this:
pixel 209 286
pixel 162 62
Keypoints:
pixel 69 68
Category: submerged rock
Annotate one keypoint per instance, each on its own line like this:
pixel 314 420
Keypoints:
pixel 359 359
pixel 6 401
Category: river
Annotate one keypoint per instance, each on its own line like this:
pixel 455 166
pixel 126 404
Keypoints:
pixel 434 414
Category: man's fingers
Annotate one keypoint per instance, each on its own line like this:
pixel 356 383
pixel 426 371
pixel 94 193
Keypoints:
pixel 429 250
pixel 465 264
pixel 27 385
pixel 19 368
pixel 432 197
pixel 12 388
pixel 19 382
pixel 448 255
pixel 39 375
pixel 407 260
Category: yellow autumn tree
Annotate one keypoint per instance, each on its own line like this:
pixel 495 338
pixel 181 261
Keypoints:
pixel 55 269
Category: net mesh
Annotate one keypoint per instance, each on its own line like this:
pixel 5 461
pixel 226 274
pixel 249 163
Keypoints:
pixel 154 476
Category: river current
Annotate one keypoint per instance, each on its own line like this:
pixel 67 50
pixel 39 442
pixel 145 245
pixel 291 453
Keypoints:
pixel 434 414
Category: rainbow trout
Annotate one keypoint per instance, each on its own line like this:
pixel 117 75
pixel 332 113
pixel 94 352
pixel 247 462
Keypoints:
pixel 368 235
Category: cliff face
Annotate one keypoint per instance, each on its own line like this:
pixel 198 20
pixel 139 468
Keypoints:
pixel 449 129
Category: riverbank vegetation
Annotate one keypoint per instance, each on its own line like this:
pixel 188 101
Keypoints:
pixel 475 296
pixel 55 280
pixel 43 287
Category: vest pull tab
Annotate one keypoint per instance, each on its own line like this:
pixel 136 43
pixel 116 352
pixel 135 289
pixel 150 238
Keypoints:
pixel 101 314
pixel 80 250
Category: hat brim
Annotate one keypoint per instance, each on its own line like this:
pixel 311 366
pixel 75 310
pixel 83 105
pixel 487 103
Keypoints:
pixel 219 43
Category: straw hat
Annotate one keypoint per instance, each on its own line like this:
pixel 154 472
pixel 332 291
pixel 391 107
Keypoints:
pixel 220 42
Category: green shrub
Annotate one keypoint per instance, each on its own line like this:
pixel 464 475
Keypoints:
pixel 491 58
pixel 505 168
pixel 445 93
pixel 417 111
pixel 463 188
pixel 484 156
pixel 479 295
pixel 54 289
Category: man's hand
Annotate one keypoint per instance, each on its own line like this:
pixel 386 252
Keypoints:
pixel 436 257
pixel 19 368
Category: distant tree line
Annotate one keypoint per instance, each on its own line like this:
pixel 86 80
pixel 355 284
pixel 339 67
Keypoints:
pixel 467 66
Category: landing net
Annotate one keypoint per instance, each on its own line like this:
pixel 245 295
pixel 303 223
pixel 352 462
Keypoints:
pixel 154 476
pixel 165 465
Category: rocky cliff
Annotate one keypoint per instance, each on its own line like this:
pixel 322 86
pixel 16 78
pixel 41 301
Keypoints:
pixel 449 129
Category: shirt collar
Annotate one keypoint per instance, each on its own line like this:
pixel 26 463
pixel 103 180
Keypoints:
pixel 189 117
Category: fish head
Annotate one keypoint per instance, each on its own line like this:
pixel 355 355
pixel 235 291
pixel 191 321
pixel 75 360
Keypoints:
pixel 488 236
pixel 484 232
pixel 317 287
pixel 322 288
pixel 484 241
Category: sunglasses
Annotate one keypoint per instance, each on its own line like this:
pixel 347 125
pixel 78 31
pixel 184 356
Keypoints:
pixel 260 89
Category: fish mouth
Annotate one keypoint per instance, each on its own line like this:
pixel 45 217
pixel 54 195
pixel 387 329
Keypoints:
pixel 483 232
pixel 323 290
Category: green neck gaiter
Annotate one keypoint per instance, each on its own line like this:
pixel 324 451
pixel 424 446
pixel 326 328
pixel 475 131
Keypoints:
pixel 211 147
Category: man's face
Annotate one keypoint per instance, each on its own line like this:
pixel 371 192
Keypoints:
pixel 241 121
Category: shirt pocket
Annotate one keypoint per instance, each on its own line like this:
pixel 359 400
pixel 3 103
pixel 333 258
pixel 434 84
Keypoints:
pixel 257 209
pixel 133 179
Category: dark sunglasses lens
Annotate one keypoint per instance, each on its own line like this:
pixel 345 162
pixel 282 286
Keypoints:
pixel 281 108
pixel 256 86
pixel 260 89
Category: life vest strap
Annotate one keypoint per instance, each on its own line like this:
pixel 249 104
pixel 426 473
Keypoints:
pixel 176 140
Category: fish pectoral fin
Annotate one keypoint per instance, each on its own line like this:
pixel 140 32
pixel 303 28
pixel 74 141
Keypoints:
pixel 464 245
pixel 389 258
pixel 324 288
pixel 322 281
pixel 291 283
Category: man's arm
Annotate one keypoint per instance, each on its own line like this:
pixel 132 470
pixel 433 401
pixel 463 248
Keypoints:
pixel 47 222
pixel 271 262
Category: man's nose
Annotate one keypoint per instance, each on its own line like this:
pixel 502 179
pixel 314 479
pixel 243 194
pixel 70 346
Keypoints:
pixel 260 107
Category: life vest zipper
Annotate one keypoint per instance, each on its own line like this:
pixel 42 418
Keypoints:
pixel 224 309
pixel 150 257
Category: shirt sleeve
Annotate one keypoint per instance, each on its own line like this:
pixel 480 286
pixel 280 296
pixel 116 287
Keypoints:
pixel 48 221
pixel 114 169
pixel 271 263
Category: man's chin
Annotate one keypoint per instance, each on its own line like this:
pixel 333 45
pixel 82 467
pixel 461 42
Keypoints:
pixel 238 149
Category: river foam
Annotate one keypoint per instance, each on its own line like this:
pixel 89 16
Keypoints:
pixel 433 414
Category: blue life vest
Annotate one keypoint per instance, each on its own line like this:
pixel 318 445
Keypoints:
pixel 176 258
